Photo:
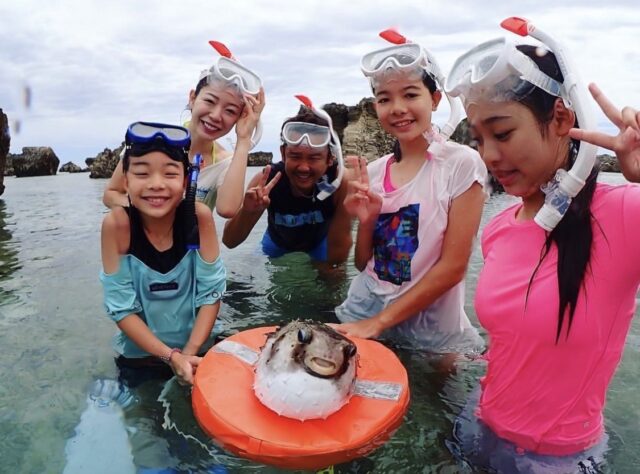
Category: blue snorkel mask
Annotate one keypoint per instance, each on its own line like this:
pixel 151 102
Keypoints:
pixel 144 137
pixel 174 141
pixel 497 71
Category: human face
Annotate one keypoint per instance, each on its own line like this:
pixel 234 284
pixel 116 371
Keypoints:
pixel 214 111
pixel 404 105
pixel 304 166
pixel 513 146
pixel 155 183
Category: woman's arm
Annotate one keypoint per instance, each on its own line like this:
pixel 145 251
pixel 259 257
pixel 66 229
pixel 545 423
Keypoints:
pixel 448 271
pixel 230 193
pixel 115 193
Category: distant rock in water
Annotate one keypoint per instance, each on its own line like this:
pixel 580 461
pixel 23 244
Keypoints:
pixel 71 167
pixel 609 163
pixel 5 140
pixel 35 161
pixel 260 158
pixel 104 163
pixel 359 130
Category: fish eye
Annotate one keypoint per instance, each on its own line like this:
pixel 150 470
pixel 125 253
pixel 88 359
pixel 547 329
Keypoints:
pixel 350 350
pixel 304 336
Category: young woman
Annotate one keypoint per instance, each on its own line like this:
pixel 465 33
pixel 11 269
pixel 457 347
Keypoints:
pixel 418 210
pixel 227 94
pixel 162 293
pixel 556 302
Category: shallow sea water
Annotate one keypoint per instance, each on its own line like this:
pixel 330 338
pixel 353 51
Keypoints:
pixel 56 353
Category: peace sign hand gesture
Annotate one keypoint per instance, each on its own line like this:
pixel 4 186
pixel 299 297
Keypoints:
pixel 360 201
pixel 256 198
pixel 626 144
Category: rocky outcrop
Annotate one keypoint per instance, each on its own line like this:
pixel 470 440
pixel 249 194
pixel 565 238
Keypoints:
pixel 5 139
pixel 104 163
pixel 35 161
pixel 71 167
pixel 359 129
pixel 260 158
pixel 609 163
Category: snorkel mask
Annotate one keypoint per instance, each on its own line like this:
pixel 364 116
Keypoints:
pixel 228 71
pixel 316 136
pixel 407 57
pixel 174 141
pixel 145 137
pixel 496 70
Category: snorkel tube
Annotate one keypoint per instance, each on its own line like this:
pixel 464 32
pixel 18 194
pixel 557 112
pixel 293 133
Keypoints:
pixel 193 235
pixel 456 111
pixel 326 188
pixel 224 51
pixel 566 184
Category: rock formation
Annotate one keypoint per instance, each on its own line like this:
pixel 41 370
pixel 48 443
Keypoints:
pixel 35 161
pixel 5 139
pixel 260 158
pixel 359 129
pixel 104 163
pixel 71 167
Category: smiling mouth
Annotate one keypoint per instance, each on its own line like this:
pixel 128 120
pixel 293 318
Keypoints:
pixel 209 128
pixel 402 124
pixel 155 200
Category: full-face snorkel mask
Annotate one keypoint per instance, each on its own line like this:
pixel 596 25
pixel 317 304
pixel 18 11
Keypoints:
pixel 228 71
pixel 496 70
pixel 408 57
pixel 316 136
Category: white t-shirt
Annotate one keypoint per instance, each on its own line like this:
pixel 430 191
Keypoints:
pixel 408 241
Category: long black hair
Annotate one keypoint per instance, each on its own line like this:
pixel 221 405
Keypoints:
pixel 573 236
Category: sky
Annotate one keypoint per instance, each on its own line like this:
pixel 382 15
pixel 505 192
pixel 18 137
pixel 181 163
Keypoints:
pixel 93 67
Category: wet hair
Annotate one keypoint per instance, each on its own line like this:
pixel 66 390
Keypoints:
pixel 306 115
pixel 574 234
pixel 432 86
pixel 201 83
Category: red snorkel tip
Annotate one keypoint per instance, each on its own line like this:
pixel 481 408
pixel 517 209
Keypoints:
pixel 221 48
pixel 305 100
pixel 392 36
pixel 517 25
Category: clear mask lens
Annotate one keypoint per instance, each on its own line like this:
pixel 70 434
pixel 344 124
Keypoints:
pixel 315 136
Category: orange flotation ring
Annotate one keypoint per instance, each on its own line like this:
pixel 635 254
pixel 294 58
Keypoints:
pixel 227 409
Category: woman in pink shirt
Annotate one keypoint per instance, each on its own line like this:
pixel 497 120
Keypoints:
pixel 556 296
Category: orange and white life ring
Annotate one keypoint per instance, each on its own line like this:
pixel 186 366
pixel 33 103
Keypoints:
pixel 227 409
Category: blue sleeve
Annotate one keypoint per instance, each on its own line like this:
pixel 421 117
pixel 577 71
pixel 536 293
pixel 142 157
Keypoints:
pixel 211 281
pixel 120 298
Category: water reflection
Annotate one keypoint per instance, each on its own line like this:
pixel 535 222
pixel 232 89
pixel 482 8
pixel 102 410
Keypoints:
pixel 9 262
